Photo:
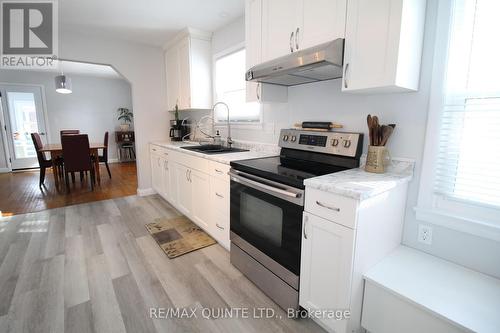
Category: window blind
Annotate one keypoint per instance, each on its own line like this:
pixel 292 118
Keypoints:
pixel 468 165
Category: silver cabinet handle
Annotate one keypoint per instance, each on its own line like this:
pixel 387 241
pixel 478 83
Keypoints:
pixel 305 226
pixel 219 195
pixel 187 177
pixel 218 171
pixel 154 149
pixel 218 226
pixel 345 75
pixel 291 38
pixel 257 88
pixel 327 206
pixel 297 38
pixel 159 165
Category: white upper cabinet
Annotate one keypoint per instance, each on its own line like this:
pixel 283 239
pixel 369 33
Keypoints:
pixel 188 66
pixel 320 21
pixel 279 22
pixel 383 45
pixel 253 46
pixel 292 25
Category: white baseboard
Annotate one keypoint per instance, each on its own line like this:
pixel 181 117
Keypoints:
pixel 142 192
pixel 4 170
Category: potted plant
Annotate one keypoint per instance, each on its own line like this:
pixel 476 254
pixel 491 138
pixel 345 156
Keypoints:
pixel 125 115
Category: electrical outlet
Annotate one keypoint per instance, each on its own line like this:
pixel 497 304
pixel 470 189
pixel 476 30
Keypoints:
pixel 425 234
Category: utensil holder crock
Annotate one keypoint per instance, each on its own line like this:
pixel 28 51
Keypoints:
pixel 377 159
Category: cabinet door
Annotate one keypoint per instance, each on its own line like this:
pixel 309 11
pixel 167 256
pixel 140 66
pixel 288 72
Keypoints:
pixel 184 74
pixel 156 173
pixel 201 207
pixel 326 265
pixel 367 45
pixel 279 22
pixel 172 189
pixel 167 189
pixel 321 22
pixel 253 43
pixel 172 68
pixel 184 189
pixel 219 202
pixel 383 45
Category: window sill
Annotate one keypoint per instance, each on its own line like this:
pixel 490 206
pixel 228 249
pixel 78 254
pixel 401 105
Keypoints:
pixel 249 126
pixel 449 220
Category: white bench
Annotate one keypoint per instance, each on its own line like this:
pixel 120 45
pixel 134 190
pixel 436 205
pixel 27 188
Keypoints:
pixel 411 291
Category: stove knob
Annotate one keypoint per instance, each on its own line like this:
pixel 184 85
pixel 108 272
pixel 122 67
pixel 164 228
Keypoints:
pixel 335 142
pixel 294 138
pixel 285 137
pixel 347 143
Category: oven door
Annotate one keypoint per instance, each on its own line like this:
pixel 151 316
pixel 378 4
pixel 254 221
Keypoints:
pixel 268 216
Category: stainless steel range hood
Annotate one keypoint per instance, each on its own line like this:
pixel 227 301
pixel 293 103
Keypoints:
pixel 318 63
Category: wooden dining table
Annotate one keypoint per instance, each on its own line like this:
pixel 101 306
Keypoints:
pixel 55 151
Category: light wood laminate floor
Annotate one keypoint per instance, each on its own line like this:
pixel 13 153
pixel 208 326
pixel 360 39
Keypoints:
pixel 94 268
pixel 20 193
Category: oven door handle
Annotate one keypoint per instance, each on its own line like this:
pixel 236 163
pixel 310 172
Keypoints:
pixel 236 176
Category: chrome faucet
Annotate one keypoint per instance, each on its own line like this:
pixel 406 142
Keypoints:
pixel 229 139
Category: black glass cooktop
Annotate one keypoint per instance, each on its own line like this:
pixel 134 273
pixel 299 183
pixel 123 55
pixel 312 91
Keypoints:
pixel 285 170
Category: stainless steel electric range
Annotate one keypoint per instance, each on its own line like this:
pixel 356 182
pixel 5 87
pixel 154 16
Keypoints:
pixel 267 203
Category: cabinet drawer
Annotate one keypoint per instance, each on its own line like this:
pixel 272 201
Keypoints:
pixel 154 149
pixel 219 170
pixel 219 191
pixel 332 207
pixel 192 162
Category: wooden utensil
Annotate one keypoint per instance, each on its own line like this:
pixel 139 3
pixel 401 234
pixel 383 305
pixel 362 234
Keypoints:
pixel 376 131
pixel 386 133
pixel 369 121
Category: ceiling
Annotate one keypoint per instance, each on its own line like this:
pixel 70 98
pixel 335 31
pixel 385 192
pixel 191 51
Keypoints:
pixel 151 22
pixel 82 68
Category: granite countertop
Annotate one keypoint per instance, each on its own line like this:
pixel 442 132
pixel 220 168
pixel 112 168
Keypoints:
pixel 255 151
pixel 361 185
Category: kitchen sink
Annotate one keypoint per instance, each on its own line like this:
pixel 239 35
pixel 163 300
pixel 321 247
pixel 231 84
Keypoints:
pixel 213 149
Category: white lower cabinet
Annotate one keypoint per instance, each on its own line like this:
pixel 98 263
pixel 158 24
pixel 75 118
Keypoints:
pixel 342 238
pixel 184 190
pixel 219 201
pixel 327 252
pixel 196 187
pixel 156 172
pixel 200 204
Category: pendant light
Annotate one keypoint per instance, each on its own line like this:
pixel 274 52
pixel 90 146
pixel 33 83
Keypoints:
pixel 63 83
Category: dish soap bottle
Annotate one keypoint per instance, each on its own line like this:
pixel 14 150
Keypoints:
pixel 217 139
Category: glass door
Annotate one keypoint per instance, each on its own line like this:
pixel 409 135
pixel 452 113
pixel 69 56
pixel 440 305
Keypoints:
pixel 24 114
pixel 271 224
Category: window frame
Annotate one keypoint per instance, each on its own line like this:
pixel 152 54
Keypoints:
pixel 473 218
pixel 234 124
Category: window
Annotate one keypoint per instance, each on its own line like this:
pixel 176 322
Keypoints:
pixel 230 87
pixel 462 157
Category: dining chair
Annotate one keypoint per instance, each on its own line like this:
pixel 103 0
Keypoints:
pixel 70 132
pixel 43 162
pixel 76 156
pixel 104 157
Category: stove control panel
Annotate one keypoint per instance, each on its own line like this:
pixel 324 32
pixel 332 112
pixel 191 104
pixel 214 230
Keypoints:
pixel 334 143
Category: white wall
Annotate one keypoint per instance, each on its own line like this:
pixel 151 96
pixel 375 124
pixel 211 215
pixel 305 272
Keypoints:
pixel 91 108
pixel 143 66
pixel 324 101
